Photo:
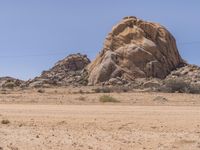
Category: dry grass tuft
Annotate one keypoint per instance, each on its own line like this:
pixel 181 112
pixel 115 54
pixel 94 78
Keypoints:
pixel 107 98
pixel 81 98
pixel 5 121
pixel 41 91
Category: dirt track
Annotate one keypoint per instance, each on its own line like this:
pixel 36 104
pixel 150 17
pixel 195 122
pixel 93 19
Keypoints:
pixel 68 127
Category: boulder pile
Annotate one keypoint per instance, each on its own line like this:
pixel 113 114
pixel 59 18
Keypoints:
pixel 10 83
pixel 188 73
pixel 69 71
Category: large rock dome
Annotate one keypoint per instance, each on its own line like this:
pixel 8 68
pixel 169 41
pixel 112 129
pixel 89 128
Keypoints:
pixel 135 49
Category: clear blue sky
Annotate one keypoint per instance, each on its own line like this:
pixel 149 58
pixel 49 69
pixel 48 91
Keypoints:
pixel 34 34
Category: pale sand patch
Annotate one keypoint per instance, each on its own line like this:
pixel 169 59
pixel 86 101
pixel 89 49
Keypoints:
pixel 100 127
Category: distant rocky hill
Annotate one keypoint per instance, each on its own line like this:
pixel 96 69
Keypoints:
pixel 9 82
pixel 69 71
pixel 135 52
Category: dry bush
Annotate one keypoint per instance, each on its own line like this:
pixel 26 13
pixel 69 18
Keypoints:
pixel 112 89
pixel 195 89
pixel 102 90
pixel 107 98
pixel 5 121
pixel 3 91
pixel 179 85
pixel 81 91
pixel 176 85
pixel 81 98
pixel 122 89
pixel 41 91
pixel 9 85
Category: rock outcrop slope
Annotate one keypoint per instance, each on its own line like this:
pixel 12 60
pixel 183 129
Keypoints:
pixel 69 71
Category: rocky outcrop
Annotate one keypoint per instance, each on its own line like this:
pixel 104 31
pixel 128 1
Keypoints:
pixel 135 49
pixel 136 53
pixel 10 83
pixel 69 71
pixel 188 73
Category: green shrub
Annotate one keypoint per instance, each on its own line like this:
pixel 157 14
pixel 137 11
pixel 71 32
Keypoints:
pixel 177 85
pixel 107 98
pixel 181 86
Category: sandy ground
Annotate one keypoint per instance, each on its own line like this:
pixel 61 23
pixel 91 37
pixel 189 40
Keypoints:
pixel 68 127
pixel 73 96
pixel 61 121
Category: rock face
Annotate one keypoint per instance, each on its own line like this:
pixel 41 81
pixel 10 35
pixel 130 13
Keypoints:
pixel 135 49
pixel 69 71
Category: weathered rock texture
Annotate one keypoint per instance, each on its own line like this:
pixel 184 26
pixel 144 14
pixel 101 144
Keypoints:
pixel 135 49
pixel 69 71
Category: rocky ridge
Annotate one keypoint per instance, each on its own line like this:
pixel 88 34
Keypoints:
pixel 136 53
pixel 69 71
pixel 10 83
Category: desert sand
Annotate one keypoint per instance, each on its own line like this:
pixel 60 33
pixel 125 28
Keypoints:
pixel 59 119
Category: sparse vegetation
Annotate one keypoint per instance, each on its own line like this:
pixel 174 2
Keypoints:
pixel 160 99
pixel 9 85
pixel 81 98
pixel 111 89
pixel 5 121
pixel 41 91
pixel 179 85
pixel 81 91
pixel 102 90
pixel 195 89
pixel 3 91
pixel 107 98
